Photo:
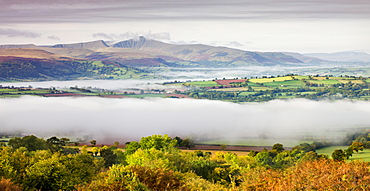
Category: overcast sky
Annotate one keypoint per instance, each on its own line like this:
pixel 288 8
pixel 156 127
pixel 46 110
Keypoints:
pixel 265 25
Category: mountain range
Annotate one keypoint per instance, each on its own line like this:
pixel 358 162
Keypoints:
pixel 143 52
pixel 342 56
pixel 38 61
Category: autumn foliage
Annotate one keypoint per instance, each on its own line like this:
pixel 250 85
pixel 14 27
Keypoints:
pixel 322 174
pixel 8 185
pixel 155 163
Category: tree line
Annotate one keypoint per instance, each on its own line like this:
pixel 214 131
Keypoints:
pixel 156 163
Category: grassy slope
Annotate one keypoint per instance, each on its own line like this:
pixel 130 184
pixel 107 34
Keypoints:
pixel 361 155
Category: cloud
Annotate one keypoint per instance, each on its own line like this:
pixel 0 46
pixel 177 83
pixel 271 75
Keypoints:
pixel 111 10
pixel 234 43
pixel 129 35
pixel 129 119
pixel 226 44
pixel 18 33
pixel 53 37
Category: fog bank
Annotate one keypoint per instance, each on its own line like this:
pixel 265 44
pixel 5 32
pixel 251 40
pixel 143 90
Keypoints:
pixel 130 119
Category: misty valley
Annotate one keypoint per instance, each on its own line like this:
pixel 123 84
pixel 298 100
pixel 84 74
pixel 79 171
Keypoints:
pixel 142 114
pixel 239 133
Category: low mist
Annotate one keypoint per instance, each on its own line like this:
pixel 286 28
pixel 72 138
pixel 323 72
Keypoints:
pixel 108 120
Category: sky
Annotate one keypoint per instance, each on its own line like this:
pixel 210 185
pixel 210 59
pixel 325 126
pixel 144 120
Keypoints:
pixel 305 26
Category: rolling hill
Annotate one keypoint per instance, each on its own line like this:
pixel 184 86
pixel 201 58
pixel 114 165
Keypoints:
pixel 102 60
pixel 143 52
pixel 25 64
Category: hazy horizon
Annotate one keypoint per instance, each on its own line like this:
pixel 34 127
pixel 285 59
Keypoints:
pixel 304 26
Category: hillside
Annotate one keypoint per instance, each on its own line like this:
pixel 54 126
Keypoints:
pixel 79 60
pixel 31 53
pixel 205 54
pixel 36 64
pixel 89 45
pixel 143 52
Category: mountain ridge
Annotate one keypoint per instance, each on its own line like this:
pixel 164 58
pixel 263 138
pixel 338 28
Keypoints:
pixel 345 56
pixel 165 54
pixel 144 52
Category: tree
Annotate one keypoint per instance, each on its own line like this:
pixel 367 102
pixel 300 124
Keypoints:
pixel 306 147
pixel 84 149
pixel 48 174
pixel 64 141
pixel 131 147
pixel 188 143
pixel 31 142
pixel 349 152
pixel 93 142
pixel 95 150
pixel 108 155
pixel 54 144
pixel 357 146
pixel 321 174
pixel 338 155
pixel 278 147
pixel 264 158
pixel 8 185
pixel 116 144
pixel 158 142
pixel 179 141
pixel 223 147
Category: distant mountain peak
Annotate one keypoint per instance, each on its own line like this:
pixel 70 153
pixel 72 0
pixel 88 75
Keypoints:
pixel 135 43
pixel 18 46
pixel 346 56
pixel 84 45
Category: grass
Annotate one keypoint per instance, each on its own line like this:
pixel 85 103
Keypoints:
pixel 246 93
pixel 305 93
pixel 319 78
pixel 202 84
pixel 361 155
pixel 301 77
pixel 262 88
pixel 353 81
pixel 8 90
pixel 325 82
pixel 239 89
pixel 292 83
pixel 252 84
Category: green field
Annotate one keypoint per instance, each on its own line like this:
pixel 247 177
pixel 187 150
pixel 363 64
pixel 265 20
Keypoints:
pixel 246 93
pixel 201 84
pixel 289 87
pixel 361 155
pixel 252 84
pixel 291 83
pixel 238 89
pixel 325 82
